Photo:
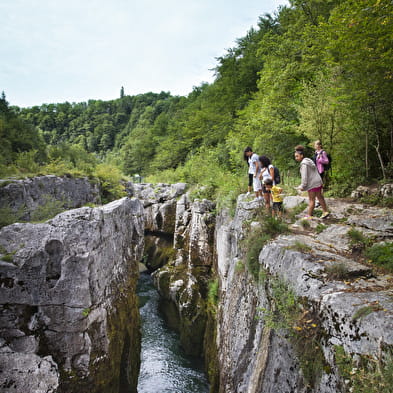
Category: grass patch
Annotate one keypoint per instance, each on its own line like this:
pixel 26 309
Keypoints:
pixel 9 257
pixel 299 246
pixel 317 213
pixel 381 254
pixel 320 228
pixel 292 213
pixel 254 244
pixel 358 240
pixel 366 374
pixel 274 226
pixel 377 200
pixel 366 310
pixel 257 238
pixel 305 224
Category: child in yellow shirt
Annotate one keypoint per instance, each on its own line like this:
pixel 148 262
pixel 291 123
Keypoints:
pixel 276 196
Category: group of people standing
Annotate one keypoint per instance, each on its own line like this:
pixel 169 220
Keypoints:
pixel 261 179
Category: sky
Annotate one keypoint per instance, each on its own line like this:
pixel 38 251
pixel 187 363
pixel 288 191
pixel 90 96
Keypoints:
pixel 53 51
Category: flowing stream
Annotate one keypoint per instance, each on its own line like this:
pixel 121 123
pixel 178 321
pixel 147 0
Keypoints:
pixel 164 366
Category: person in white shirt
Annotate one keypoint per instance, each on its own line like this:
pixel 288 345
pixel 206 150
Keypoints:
pixel 255 169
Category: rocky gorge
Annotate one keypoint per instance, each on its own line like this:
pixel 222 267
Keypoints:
pixel 304 318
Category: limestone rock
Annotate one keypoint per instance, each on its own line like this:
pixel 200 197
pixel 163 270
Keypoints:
pixel 41 374
pixel 68 291
pixel 386 190
pixel 183 282
pixel 159 202
pixel 350 305
pixel 29 194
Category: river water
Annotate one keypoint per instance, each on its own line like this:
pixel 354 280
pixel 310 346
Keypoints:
pixel 164 366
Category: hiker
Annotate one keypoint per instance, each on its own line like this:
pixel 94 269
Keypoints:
pixel 311 182
pixel 320 158
pixel 255 169
pixel 277 197
pixel 267 172
pixel 250 173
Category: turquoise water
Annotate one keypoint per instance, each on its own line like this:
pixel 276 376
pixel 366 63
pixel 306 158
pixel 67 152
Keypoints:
pixel 164 366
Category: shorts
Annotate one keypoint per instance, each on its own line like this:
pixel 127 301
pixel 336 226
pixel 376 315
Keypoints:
pixel 316 189
pixel 277 206
pixel 257 184
pixel 250 179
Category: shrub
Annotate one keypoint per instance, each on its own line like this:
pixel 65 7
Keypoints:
pixel 274 226
pixel 357 239
pixel 110 179
pixel 8 216
pixel 26 163
pixel 50 208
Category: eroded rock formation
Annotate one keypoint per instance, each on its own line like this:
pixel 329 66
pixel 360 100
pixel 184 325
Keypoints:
pixel 258 351
pixel 69 315
pixel 180 241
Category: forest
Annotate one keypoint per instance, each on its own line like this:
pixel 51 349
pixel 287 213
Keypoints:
pixel 316 69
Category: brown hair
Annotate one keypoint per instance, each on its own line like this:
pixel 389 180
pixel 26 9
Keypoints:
pixel 299 149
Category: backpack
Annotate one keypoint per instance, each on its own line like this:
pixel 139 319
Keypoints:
pixel 328 166
pixel 277 177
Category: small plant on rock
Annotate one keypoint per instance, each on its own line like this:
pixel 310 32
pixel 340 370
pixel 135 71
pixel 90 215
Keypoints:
pixel 336 271
pixel 358 240
pixel 299 246
pixel 320 228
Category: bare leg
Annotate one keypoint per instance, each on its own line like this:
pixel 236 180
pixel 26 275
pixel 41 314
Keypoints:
pixel 266 196
pixel 322 201
pixel 311 202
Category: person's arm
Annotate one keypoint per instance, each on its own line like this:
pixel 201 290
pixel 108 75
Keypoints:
pixel 261 174
pixel 271 172
pixel 257 166
pixel 303 174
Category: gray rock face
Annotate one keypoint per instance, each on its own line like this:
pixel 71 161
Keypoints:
pixel 354 312
pixel 68 302
pixel 159 201
pixel 32 193
pixel 183 282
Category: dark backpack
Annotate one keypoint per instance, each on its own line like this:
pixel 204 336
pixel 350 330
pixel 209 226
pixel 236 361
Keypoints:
pixel 328 166
pixel 277 177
